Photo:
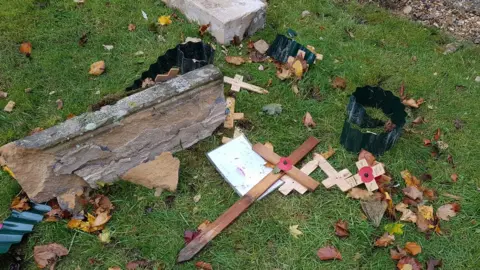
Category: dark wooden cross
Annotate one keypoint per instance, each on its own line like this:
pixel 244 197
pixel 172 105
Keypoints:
pixel 212 230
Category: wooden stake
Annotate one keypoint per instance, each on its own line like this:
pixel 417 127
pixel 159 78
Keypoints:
pixel 237 84
pixel 240 206
pixel 172 73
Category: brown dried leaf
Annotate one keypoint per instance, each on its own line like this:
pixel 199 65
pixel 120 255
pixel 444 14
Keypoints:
pixel 409 263
pixel 437 135
pixel 407 214
pixel 419 120
pixel 203 28
pixel 410 103
pixel 97 68
pixel 83 39
pixel 445 212
pixel 364 154
pixel 413 193
pixel 339 83
pixel 308 120
pixel 385 240
pixel 423 224
pixel 455 197
pixel 132 27
pixel 102 202
pixel 329 253
pixel 397 253
pixel 420 101
pixel 235 60
pixel 402 90
pixel 341 229
pixel 26 48
pixel 59 104
pixel 359 194
pixel 148 82
pixel 20 203
pixel 257 57
pixel 203 266
pixel 136 264
pixel 433 263
pixel 413 248
pixel 427 142
pixel 430 194
pixel 283 73
pixel 454 177
pixel 48 254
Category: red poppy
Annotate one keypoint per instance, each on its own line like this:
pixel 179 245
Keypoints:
pixel 366 174
pixel 285 164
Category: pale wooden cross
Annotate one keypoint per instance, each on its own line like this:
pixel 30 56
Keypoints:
pixel 231 114
pixel 346 181
pixel 237 83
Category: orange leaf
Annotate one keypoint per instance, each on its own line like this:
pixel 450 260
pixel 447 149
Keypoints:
pixel 329 253
pixel 410 180
pixel 203 266
pixel 97 68
pixel 397 253
pixel 132 27
pixel 20 204
pixel 413 248
pixel 26 48
pixel 454 177
pixel 329 153
pixel 339 83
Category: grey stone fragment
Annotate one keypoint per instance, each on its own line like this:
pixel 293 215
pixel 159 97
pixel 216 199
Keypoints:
pixel 102 145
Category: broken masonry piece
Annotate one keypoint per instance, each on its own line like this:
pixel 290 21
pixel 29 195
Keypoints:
pixel 354 139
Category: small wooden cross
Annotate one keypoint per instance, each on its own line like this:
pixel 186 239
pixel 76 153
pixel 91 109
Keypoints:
pixel 366 175
pixel 214 228
pixel 237 83
pixel 230 112
pixel 346 181
pixel 172 73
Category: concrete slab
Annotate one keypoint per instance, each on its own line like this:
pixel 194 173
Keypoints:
pixel 227 18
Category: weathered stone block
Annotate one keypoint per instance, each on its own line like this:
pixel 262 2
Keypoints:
pixel 227 19
pixel 103 145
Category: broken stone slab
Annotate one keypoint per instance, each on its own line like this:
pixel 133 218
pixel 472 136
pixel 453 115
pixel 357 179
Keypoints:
pixel 105 144
pixel 160 173
pixel 227 19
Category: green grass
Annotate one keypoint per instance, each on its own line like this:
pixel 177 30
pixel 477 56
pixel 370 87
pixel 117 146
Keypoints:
pixel 381 51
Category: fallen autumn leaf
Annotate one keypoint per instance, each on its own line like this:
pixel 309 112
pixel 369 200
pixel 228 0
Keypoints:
pixel 308 120
pixel 26 48
pixel 329 253
pixel 445 212
pixel 235 60
pixel 97 68
pixel 385 240
pixel 413 248
pixel 294 231
pixel 341 229
pixel 48 254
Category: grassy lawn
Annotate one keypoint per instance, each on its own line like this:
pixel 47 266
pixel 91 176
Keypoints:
pixel 380 52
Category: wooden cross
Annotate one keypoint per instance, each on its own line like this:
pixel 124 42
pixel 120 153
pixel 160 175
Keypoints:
pixel 230 112
pixel 214 228
pixel 346 181
pixel 172 73
pixel 290 184
pixel 366 175
pixel 237 83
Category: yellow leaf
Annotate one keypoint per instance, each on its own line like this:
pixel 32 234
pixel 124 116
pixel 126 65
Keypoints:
pixel 164 20
pixel 413 248
pixel 294 231
pixel 298 68
pixel 426 211
pixel 394 228
pixel 7 170
pixel 105 236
